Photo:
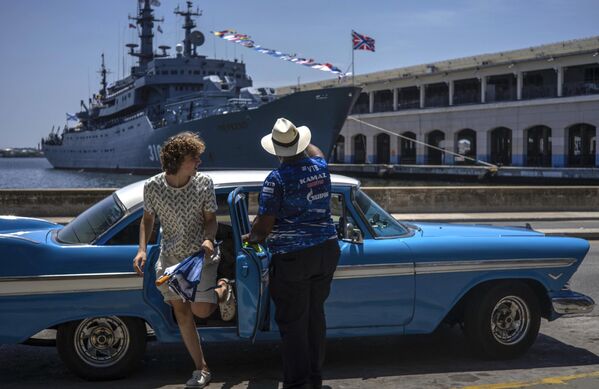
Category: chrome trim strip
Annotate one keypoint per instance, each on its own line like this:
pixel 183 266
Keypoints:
pixel 497 264
pixel 70 283
pixel 405 269
pixel 97 282
pixel 382 270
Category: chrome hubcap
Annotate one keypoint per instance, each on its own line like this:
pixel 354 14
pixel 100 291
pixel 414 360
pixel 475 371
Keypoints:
pixel 101 341
pixel 510 320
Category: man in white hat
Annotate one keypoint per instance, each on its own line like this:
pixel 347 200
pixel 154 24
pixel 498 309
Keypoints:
pixel 295 215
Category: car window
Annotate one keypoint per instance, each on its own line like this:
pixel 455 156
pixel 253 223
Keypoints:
pixel 382 224
pixel 92 223
pixel 130 234
pixel 223 215
pixel 344 222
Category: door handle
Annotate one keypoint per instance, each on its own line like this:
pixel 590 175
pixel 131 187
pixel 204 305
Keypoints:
pixel 245 269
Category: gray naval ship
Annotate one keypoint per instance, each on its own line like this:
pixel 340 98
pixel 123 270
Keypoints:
pixel 124 125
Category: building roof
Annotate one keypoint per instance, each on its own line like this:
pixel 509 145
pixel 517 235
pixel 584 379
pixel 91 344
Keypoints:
pixel 547 51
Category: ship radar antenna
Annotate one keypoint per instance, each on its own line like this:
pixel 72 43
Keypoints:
pixel 145 19
pixel 193 39
pixel 103 73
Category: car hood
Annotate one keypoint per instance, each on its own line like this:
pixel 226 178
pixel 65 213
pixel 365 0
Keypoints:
pixel 463 230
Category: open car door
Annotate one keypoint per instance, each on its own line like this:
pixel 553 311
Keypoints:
pixel 252 265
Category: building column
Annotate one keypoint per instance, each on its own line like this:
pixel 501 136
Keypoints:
pixel 370 141
pixel 451 87
pixel 348 156
pixel 519 84
pixel 482 145
pixel 560 81
pixel 371 102
pixel 422 95
pixel 483 89
pixel 449 144
pixel 518 147
pixel 559 147
pixel 420 149
pixel 394 149
pixel 597 146
pixel 395 98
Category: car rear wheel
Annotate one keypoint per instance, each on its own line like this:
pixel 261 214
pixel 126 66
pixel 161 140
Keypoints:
pixel 503 321
pixel 102 348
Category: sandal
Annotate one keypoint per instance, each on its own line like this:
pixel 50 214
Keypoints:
pixel 227 304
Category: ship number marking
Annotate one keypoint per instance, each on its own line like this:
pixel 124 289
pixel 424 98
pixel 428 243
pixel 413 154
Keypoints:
pixel 154 152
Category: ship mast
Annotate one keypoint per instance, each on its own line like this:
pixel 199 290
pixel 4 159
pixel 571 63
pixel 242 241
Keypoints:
pixel 103 72
pixel 146 20
pixel 188 26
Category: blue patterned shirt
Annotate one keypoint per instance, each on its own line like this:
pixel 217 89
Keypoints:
pixel 298 194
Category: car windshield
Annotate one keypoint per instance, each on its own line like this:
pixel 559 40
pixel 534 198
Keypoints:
pixel 92 223
pixel 382 224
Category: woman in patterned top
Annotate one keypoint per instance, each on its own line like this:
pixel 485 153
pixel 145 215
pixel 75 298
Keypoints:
pixel 184 201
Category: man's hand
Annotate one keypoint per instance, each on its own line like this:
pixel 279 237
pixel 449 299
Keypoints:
pixel 261 227
pixel 139 262
pixel 208 248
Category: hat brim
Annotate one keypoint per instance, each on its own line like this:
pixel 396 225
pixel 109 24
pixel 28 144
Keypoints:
pixel 280 151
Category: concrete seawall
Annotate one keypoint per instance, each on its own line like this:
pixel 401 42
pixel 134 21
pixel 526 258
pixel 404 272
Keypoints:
pixel 486 198
pixel 71 202
pixel 49 202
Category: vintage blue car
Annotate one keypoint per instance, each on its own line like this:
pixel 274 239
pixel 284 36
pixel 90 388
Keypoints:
pixel 393 278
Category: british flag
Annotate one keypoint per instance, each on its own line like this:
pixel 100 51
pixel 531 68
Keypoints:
pixel 362 42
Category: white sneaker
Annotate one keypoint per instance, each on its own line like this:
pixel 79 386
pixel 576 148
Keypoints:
pixel 199 379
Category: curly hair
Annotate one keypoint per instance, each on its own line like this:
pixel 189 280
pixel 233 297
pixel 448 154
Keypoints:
pixel 177 147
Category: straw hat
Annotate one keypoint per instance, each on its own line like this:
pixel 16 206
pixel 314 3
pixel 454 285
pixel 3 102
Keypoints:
pixel 286 140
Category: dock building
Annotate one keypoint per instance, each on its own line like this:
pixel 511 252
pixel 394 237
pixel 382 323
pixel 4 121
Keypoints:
pixel 537 107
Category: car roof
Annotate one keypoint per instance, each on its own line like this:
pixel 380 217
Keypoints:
pixel 132 195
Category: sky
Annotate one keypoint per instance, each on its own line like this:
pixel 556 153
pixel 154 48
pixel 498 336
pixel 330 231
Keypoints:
pixel 51 48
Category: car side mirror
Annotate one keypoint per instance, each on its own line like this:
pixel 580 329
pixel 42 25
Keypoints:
pixel 353 234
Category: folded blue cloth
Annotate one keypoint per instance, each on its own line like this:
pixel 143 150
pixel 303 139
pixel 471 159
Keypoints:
pixel 185 276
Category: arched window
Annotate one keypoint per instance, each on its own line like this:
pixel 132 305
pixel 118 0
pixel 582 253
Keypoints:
pixel 465 146
pixel 501 146
pixel 538 149
pixel 383 153
pixel 338 154
pixel 434 156
pixel 359 148
pixel 407 149
pixel 582 145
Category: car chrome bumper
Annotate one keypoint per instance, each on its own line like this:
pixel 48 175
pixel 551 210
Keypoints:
pixel 574 304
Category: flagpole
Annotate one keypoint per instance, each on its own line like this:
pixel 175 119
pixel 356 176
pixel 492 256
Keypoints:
pixel 352 61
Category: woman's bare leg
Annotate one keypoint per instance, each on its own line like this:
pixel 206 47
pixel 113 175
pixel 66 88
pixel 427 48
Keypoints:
pixel 189 333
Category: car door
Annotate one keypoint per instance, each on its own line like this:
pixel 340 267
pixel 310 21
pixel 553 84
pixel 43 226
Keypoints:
pixel 374 283
pixel 252 266
pixel 125 237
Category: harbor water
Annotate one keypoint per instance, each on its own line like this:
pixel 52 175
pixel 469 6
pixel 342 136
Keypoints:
pixel 36 173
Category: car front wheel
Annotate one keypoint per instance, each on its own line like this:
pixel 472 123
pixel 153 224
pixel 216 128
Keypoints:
pixel 102 348
pixel 503 321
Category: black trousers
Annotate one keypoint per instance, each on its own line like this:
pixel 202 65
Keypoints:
pixel 299 285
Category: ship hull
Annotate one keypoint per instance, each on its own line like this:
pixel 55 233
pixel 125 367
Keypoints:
pixel 232 140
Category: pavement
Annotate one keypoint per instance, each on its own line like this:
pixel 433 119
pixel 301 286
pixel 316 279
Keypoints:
pixel 574 224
